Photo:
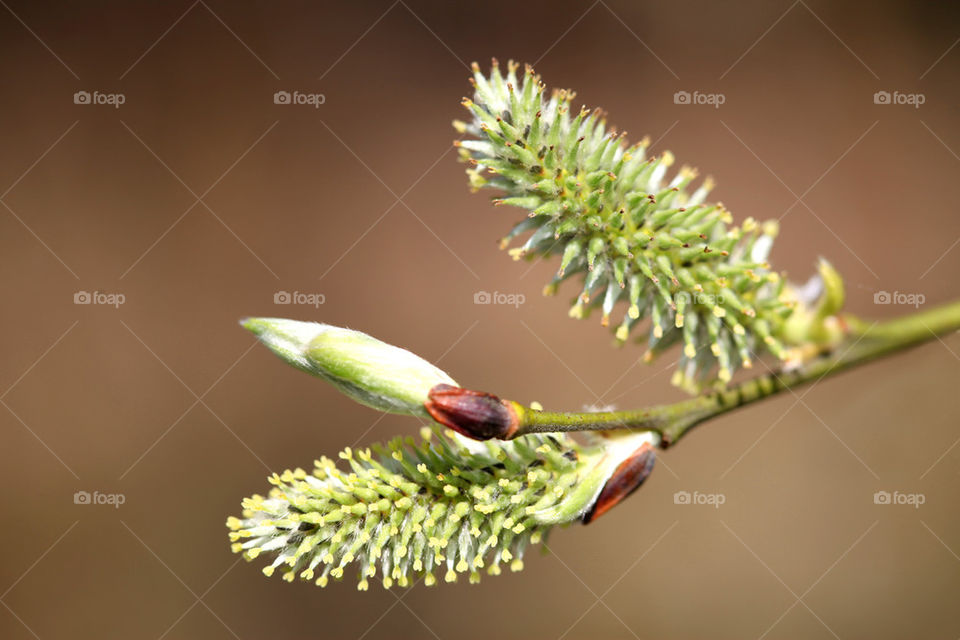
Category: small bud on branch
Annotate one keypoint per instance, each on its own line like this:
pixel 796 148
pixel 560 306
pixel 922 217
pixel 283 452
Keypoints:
pixel 475 414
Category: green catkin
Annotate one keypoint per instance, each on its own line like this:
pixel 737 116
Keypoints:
pixel 439 508
pixel 629 229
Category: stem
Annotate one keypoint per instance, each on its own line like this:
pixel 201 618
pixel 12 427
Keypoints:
pixel 865 342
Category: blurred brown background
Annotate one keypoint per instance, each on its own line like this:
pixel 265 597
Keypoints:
pixel 199 198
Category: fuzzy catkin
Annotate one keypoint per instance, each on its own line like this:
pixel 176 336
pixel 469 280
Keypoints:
pixel 444 506
pixel 626 226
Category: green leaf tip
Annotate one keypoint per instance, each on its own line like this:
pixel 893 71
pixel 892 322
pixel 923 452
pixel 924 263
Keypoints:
pixel 628 226
pixel 370 371
pixel 445 506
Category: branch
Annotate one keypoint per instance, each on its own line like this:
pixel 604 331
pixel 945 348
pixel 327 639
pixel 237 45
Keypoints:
pixel 477 414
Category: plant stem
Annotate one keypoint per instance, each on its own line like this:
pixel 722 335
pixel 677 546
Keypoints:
pixel 864 342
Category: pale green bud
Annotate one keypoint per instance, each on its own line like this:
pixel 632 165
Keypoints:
pixel 833 290
pixel 368 370
pixel 815 320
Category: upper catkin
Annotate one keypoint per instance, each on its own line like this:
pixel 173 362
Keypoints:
pixel 627 227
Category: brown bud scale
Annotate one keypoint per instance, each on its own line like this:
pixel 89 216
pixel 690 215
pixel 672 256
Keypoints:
pixel 475 414
pixel 626 479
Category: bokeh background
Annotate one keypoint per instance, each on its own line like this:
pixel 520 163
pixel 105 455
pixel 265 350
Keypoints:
pixel 199 199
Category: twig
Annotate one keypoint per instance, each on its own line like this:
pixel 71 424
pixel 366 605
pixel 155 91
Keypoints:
pixel 865 342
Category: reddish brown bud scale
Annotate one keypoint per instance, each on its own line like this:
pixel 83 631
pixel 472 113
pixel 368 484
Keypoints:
pixel 626 479
pixel 475 414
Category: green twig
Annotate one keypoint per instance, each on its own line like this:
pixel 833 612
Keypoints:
pixel 865 342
